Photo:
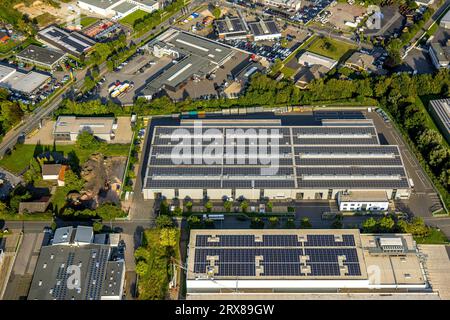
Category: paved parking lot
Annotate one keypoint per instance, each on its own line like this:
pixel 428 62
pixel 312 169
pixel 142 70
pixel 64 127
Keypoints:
pixel 45 135
pixel 419 60
pixel 22 272
pixel 423 196
pixel 131 72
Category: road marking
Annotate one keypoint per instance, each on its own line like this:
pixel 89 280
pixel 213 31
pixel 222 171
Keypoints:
pixel 423 179
pixel 409 156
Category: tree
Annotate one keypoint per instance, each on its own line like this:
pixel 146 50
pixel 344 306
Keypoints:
pixel 370 225
pixel 168 237
pixel 178 211
pixel 164 221
pixel 269 205
pixel 217 12
pixel 257 223
pixel 244 206
pixel 72 182
pixel 189 206
pixel 290 223
pixel 386 224
pixel 34 171
pixel 97 226
pixel 194 221
pixel 141 268
pixel 208 206
pixel 228 205
pixel 87 141
pixel 273 221
pixel 305 223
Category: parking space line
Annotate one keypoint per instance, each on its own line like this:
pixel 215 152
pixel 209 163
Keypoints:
pixel 408 156
pixel 423 179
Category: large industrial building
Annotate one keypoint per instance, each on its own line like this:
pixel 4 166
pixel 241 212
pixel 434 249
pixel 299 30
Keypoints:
pixel 440 110
pixel 194 58
pixel 117 9
pixel 283 262
pixel 41 57
pixel 73 43
pixel 256 159
pixel 101 268
pixel 234 28
pixel 67 128
pixel 27 83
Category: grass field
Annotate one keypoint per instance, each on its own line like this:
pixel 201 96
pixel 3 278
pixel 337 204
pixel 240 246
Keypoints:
pixel 330 48
pixel 20 158
pixel 436 237
pixel 131 18
pixel 45 19
pixel 87 21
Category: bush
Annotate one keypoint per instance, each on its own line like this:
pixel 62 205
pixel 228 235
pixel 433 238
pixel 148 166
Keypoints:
pixel 163 221
pixel 257 223
pixel 305 224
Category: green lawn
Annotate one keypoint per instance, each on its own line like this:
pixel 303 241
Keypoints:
pixel 27 217
pixel 19 159
pixel 131 18
pixel 288 72
pixel 87 21
pixel 330 48
pixel 436 237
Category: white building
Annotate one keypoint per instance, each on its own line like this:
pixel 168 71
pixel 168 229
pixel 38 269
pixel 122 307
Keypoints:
pixel 67 128
pixel 264 30
pixel 310 59
pixel 363 201
pixel 291 5
pixel 117 9
pixel 445 21
pixel 280 262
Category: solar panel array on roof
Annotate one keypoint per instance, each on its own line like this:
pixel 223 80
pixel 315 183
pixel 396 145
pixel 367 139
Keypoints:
pixel 276 255
pixel 316 157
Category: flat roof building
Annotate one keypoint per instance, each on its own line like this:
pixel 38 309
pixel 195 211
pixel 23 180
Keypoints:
pixel 254 159
pixel 264 30
pixel 291 5
pixel 41 57
pixel 310 59
pixel 440 110
pixel 360 61
pixel 231 28
pixel 279 262
pixel 445 21
pixel 73 43
pixel 67 128
pixel 101 271
pixel 24 82
pixel 440 55
pixel 195 58
pixel 117 9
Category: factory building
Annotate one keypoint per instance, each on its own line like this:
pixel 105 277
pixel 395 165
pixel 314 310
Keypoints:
pixel 194 58
pixel 256 159
pixel 117 9
pixel 224 263
pixel 74 252
pixel 67 128
pixel 73 43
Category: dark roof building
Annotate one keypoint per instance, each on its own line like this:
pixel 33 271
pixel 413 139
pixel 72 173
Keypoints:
pixel 68 271
pixel 231 28
pixel 195 58
pixel 41 57
pixel 35 206
pixel 440 110
pixel 73 43
pixel 264 30
pixel 287 162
